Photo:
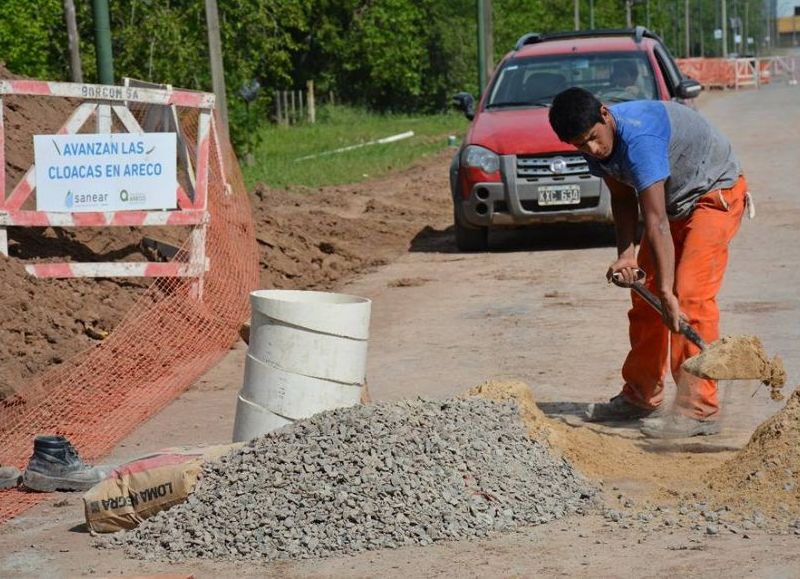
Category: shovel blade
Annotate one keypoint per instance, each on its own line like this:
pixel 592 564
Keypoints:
pixel 737 358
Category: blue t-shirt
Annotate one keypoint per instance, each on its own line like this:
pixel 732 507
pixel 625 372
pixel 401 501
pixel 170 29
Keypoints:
pixel 666 141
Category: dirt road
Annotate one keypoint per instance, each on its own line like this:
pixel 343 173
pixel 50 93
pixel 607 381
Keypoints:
pixel 536 309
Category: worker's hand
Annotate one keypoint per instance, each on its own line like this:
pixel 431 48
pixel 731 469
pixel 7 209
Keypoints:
pixel 626 267
pixel 672 312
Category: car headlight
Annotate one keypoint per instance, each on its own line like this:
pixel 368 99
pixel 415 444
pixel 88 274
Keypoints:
pixel 480 158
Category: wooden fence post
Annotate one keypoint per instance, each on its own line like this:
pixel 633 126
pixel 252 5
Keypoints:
pixel 300 116
pixel 312 111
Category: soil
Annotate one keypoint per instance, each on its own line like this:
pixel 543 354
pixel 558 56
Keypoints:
pixel 319 238
pixel 765 474
pixel 739 358
pixel 603 457
pixel 533 320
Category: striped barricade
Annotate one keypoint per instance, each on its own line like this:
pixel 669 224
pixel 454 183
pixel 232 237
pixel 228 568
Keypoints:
pixel 134 108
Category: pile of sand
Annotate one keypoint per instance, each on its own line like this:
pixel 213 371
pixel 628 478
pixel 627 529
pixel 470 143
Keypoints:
pixel 765 474
pixel 607 456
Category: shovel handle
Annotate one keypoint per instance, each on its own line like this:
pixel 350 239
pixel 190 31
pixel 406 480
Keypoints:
pixel 637 286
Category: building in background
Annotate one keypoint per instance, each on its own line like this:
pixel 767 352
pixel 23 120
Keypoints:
pixel 787 22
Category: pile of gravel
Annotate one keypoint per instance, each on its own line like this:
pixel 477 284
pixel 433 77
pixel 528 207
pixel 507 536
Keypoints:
pixel 367 477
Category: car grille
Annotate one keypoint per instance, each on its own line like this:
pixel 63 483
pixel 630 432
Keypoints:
pixel 535 167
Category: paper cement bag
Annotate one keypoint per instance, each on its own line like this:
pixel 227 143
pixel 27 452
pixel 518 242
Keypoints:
pixel 139 489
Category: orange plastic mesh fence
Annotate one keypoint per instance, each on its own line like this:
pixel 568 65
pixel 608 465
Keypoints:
pixel 166 341
pixel 731 73
pixel 710 72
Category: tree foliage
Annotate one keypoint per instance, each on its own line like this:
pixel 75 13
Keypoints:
pixel 30 35
pixel 403 55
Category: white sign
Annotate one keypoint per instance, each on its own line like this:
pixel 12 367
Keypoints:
pixel 718 33
pixel 750 40
pixel 737 39
pixel 105 172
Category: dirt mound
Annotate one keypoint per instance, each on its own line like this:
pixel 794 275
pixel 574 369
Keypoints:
pixel 763 477
pixel 765 474
pixel 46 322
pixel 739 358
pixel 317 238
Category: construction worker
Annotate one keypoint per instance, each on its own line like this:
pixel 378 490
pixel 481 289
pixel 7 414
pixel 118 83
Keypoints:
pixel 665 160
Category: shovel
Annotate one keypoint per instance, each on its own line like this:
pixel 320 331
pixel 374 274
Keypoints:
pixel 730 358
pixel 638 286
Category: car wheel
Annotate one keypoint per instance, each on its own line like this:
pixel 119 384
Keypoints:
pixel 469 237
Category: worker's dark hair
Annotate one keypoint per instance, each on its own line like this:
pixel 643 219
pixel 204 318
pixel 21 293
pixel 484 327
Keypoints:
pixel 574 111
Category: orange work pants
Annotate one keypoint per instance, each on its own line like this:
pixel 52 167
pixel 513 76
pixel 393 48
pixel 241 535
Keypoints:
pixel 701 255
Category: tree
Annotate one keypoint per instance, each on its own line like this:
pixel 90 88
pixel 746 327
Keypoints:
pixel 28 33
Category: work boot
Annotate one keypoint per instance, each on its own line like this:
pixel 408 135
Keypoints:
pixel 615 410
pixel 9 477
pixel 55 465
pixel 679 426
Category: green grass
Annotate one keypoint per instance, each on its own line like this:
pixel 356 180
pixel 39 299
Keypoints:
pixel 275 158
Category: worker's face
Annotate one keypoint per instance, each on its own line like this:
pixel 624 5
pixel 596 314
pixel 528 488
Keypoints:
pixel 598 141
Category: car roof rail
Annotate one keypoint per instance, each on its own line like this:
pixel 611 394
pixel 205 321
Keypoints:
pixel 536 37
pixel 530 38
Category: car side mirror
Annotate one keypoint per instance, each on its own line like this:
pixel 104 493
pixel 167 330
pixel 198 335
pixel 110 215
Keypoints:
pixel 689 88
pixel 466 103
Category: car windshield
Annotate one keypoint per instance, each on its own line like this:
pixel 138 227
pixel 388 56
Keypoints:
pixel 534 81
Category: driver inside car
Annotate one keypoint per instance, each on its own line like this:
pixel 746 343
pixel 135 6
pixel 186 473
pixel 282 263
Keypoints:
pixel 624 76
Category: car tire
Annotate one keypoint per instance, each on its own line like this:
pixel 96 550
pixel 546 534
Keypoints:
pixel 468 237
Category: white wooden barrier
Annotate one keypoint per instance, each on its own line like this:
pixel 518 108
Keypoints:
pixel 105 103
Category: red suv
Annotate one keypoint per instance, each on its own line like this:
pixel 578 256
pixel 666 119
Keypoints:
pixel 511 169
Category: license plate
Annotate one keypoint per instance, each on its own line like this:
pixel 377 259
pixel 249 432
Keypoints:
pixel 559 194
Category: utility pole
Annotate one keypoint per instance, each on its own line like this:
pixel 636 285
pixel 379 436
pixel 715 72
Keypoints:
pixel 591 14
pixel 102 40
pixel 488 38
pixel 485 43
pixel 700 29
pixel 746 29
pixel 577 14
pixel 481 48
pixel 724 18
pixel 687 51
pixel 628 18
pixel 215 54
pixel 73 42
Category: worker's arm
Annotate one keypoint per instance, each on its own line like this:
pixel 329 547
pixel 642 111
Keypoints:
pixel 657 233
pixel 625 209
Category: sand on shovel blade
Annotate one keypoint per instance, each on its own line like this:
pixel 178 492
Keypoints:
pixel 738 358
